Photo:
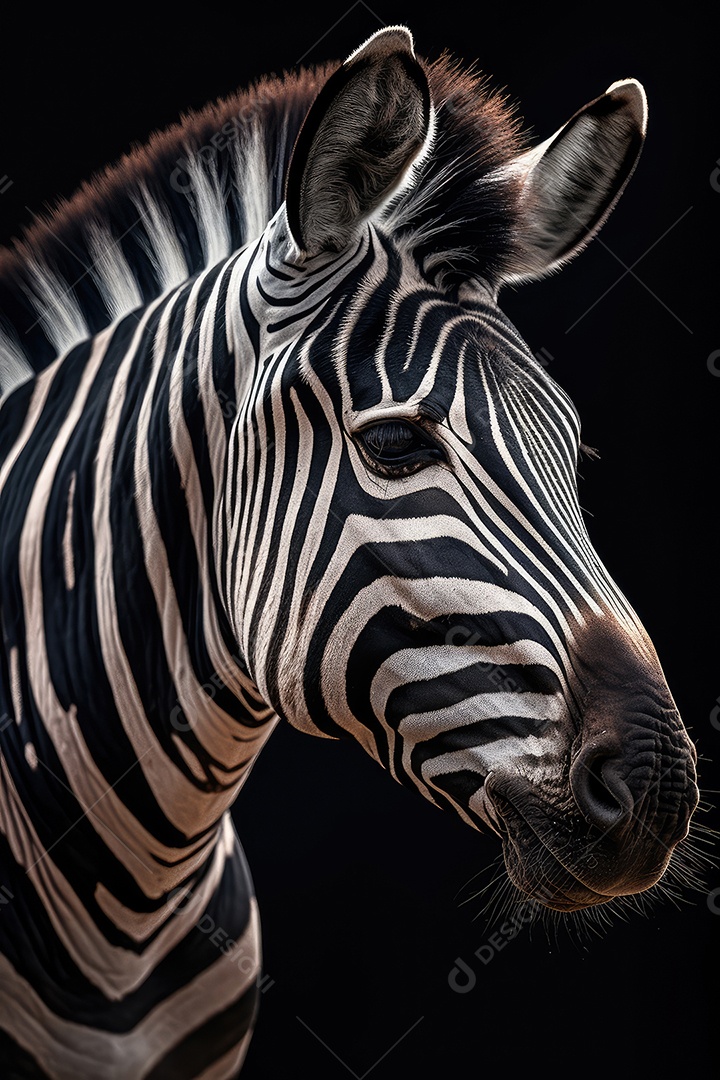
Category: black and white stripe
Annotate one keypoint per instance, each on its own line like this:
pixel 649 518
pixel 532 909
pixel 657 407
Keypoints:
pixel 196 540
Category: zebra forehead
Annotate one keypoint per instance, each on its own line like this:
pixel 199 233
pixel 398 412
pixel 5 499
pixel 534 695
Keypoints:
pixel 427 348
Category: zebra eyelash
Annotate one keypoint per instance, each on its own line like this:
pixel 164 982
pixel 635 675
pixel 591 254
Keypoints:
pixel 397 447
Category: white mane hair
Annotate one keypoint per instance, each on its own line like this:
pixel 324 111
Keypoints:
pixel 204 188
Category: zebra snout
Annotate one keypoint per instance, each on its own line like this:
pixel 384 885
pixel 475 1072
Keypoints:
pixel 602 796
pixel 634 785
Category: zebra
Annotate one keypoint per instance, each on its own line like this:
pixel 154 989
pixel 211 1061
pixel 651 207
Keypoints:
pixel 269 449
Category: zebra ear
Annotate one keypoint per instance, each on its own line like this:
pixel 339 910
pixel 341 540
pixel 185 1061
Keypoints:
pixel 571 182
pixel 368 124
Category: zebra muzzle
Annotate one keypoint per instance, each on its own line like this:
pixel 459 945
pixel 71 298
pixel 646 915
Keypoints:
pixel 602 796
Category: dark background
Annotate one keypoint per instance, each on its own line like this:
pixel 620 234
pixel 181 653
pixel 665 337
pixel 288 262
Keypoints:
pixel 361 884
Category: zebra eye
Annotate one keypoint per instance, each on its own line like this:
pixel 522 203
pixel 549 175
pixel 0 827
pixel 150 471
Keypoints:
pixel 397 447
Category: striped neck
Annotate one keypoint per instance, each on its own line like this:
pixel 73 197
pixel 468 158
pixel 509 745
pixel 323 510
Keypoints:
pixel 159 749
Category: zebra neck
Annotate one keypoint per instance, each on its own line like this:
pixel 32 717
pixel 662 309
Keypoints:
pixel 199 702
pixel 127 691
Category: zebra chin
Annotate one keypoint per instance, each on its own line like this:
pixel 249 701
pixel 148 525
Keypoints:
pixel 560 858
pixel 542 877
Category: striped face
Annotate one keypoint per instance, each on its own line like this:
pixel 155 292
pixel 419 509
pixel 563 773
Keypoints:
pixel 413 570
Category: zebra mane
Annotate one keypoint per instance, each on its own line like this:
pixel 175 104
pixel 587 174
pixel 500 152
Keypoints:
pixel 205 187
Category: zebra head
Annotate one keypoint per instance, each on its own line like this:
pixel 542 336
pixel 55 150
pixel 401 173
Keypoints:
pixel 409 563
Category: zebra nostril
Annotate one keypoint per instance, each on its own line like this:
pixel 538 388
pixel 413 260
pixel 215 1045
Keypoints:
pixel 601 794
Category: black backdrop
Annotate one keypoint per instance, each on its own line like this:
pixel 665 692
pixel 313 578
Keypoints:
pixel 364 889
